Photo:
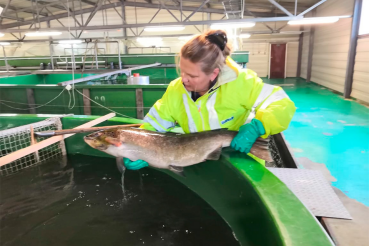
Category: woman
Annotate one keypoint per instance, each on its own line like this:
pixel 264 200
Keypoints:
pixel 214 92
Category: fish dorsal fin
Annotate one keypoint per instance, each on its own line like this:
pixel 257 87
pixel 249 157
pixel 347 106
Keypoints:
pixel 177 170
pixel 215 155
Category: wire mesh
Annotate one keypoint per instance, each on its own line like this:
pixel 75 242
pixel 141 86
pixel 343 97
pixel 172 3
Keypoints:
pixel 20 137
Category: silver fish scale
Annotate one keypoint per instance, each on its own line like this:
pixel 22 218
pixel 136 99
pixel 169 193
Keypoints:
pixel 313 190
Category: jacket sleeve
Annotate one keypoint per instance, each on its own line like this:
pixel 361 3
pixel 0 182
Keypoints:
pixel 275 112
pixel 160 117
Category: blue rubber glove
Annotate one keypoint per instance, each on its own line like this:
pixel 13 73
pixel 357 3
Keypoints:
pixel 247 135
pixel 134 165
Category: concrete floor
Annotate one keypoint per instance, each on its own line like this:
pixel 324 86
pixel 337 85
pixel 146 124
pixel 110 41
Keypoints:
pixel 330 134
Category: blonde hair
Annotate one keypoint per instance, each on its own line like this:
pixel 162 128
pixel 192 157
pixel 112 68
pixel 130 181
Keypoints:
pixel 201 50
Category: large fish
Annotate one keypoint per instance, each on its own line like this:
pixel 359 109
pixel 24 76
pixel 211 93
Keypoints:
pixel 169 150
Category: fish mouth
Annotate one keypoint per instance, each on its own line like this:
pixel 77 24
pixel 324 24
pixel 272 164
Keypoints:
pixel 95 142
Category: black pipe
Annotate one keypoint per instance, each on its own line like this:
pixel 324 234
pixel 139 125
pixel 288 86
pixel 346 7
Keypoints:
pixel 352 48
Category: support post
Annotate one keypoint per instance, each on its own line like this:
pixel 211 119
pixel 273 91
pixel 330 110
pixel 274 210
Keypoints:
pixel 51 48
pixel 352 48
pixel 34 141
pixel 31 100
pixel 86 102
pixel 124 22
pixel 139 104
pixel 299 55
pixel 311 48
pixel 5 59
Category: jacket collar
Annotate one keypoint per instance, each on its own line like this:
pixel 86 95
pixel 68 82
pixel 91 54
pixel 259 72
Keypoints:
pixel 229 72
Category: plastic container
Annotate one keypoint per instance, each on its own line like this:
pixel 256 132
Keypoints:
pixel 136 79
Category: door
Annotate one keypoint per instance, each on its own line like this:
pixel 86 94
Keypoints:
pixel 277 61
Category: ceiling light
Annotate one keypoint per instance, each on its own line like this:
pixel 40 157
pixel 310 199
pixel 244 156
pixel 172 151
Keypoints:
pixel 245 35
pixel 151 40
pixel 232 25
pixel 186 38
pixel 41 34
pixel 164 28
pixel 4 43
pixel 314 20
pixel 1 34
pixel 290 32
pixel 76 41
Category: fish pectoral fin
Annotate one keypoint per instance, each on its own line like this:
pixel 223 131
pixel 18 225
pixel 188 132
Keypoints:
pixel 113 141
pixel 215 155
pixel 177 170
pixel 120 164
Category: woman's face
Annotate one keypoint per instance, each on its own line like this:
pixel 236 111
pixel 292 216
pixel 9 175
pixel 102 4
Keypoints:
pixel 193 78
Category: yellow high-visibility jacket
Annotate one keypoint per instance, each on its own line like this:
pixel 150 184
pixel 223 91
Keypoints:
pixel 237 97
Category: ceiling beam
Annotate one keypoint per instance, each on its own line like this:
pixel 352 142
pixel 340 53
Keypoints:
pixel 25 11
pixel 130 4
pixel 187 23
pixel 88 2
pixel 56 6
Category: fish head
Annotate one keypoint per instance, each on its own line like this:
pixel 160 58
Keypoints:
pixel 103 140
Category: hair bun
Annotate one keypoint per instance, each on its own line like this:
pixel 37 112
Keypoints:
pixel 218 39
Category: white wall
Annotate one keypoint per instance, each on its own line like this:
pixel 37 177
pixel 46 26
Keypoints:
pixel 292 58
pixel 258 58
pixel 360 86
pixel 331 45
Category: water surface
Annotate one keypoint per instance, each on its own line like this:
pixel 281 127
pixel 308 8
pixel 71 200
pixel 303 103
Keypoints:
pixel 81 202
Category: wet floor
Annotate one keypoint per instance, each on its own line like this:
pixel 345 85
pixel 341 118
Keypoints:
pixel 80 202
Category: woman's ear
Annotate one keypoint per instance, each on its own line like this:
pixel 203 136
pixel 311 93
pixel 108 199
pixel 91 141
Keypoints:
pixel 214 74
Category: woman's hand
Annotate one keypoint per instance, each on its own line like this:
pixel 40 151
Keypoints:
pixel 134 165
pixel 247 135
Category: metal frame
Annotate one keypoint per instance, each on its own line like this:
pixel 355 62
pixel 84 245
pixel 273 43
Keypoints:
pixel 180 8
pixel 197 10
pixel 188 23
pixel 125 71
pixel 96 60
pixel 312 7
pixel 142 48
pixel 281 8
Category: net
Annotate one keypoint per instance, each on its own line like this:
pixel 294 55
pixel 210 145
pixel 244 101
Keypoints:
pixel 20 137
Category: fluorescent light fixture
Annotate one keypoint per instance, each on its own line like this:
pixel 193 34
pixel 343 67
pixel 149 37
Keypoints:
pixel 314 20
pixel 75 41
pixel 1 34
pixel 232 25
pixel 149 40
pixel 290 32
pixel 245 35
pixel 41 34
pixel 186 38
pixel 1 10
pixel 164 28
pixel 4 43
